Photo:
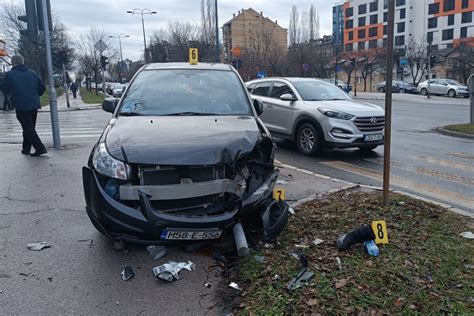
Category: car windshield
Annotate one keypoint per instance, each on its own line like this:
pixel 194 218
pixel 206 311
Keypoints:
pixel 313 90
pixel 452 82
pixel 185 92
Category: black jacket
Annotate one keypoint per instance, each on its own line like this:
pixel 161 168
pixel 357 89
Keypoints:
pixel 24 87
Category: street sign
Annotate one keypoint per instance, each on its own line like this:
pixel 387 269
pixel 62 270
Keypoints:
pixel 338 68
pixel 403 62
pixel 305 67
pixel 193 56
pixel 261 74
pixel 236 51
pixel 100 46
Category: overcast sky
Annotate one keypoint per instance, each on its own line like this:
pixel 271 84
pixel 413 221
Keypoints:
pixel 80 15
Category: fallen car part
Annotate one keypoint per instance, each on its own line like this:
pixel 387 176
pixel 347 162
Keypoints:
pixel 38 246
pixel 156 251
pixel 274 218
pixel 303 277
pixel 339 263
pixel 170 271
pixel 240 240
pixel 468 235
pixel 317 241
pixel 127 273
pixel 235 286
pixel 359 235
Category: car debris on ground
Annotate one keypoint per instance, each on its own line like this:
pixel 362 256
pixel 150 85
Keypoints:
pixel 359 235
pixel 235 286
pixel 156 251
pixel 127 273
pixel 303 277
pixel 38 246
pixel 468 235
pixel 170 271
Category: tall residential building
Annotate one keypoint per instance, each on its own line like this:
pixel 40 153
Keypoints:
pixel 338 26
pixel 446 23
pixel 248 28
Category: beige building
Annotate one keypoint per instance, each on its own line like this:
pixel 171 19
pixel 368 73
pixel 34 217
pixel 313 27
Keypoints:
pixel 249 29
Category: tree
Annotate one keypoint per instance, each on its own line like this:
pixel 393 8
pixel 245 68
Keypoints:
pixel 372 60
pixel 464 61
pixel 417 58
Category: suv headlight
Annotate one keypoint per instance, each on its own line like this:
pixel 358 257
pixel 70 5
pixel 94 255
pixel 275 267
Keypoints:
pixel 108 165
pixel 336 114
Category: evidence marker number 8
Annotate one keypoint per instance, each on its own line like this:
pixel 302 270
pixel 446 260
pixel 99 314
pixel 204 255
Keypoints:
pixel 380 231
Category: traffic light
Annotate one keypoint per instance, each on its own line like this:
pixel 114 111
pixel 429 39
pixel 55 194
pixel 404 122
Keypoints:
pixel 432 61
pixel 103 61
pixel 31 21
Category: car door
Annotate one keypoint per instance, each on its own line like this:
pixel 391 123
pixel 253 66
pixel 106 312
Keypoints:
pixel 261 92
pixel 282 111
pixel 435 87
pixel 443 87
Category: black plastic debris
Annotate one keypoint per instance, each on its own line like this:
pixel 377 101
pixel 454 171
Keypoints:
pixel 274 218
pixel 219 257
pixel 38 246
pixel 359 235
pixel 303 277
pixel 156 251
pixel 127 273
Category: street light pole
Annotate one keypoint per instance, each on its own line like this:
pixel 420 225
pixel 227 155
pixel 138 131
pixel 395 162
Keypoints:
pixel 142 13
pixel 217 32
pixel 120 36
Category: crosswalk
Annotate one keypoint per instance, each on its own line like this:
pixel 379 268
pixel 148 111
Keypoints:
pixel 72 124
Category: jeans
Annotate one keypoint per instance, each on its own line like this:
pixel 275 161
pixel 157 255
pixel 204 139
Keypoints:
pixel 27 120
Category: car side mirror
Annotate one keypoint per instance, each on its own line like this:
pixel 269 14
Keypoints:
pixel 287 97
pixel 109 105
pixel 258 105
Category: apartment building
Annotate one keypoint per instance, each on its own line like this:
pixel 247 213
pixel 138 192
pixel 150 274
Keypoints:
pixel 248 27
pixel 446 23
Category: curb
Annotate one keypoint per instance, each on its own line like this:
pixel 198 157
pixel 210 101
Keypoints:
pixel 444 131
pixel 349 185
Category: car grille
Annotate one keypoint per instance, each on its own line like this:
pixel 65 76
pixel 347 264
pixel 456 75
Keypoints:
pixel 165 175
pixel 370 123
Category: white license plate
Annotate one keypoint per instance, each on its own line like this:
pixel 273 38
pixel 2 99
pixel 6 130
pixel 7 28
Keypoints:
pixel 170 234
pixel 373 137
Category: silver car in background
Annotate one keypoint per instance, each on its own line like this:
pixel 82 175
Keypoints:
pixel 448 87
pixel 316 114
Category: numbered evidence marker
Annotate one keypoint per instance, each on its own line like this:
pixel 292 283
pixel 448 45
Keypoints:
pixel 380 231
pixel 193 56
pixel 279 194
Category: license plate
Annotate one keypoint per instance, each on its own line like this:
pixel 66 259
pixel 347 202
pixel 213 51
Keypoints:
pixel 171 234
pixel 373 137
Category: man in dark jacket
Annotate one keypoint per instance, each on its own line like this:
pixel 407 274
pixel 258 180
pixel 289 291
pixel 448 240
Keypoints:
pixel 25 88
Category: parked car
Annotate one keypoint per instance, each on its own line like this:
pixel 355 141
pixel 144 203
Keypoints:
pixel 341 84
pixel 184 157
pixel 397 87
pixel 316 114
pixel 117 90
pixel 448 87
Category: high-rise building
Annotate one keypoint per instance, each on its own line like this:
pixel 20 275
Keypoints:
pixel 445 23
pixel 338 26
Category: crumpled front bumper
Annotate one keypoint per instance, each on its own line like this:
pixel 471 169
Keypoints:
pixel 144 225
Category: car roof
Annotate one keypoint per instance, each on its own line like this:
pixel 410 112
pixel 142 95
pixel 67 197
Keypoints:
pixel 200 66
pixel 289 79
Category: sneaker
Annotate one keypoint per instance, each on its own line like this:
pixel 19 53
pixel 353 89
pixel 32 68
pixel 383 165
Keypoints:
pixel 38 153
pixel 24 152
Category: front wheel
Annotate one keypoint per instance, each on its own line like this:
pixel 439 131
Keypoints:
pixel 308 140
pixel 424 91
pixel 381 90
pixel 452 93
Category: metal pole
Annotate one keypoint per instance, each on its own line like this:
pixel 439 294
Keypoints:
pixel 335 68
pixel 429 69
pixel 388 103
pixel 66 90
pixel 355 77
pixel 120 44
pixel 53 102
pixel 472 107
pixel 217 33
pixel 144 39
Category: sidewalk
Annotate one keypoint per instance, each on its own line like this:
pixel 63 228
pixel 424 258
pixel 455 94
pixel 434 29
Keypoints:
pixel 410 98
pixel 75 104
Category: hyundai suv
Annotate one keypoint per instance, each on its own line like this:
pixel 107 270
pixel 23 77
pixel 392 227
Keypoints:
pixel 316 114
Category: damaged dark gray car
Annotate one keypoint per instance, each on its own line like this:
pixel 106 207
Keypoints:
pixel 184 157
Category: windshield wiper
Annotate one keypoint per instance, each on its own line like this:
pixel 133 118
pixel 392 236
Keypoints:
pixel 190 114
pixel 130 113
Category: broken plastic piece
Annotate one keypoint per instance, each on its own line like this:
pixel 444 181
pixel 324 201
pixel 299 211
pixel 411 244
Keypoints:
pixel 235 286
pixel 157 252
pixel 317 241
pixel 359 235
pixel 169 271
pixel 291 211
pixel 339 263
pixel 468 235
pixel 303 277
pixel 281 182
pixel 38 246
pixel 127 273
pixel 207 284
pixel 275 218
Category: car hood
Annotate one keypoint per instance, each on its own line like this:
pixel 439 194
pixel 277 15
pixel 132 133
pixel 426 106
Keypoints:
pixel 351 107
pixel 184 140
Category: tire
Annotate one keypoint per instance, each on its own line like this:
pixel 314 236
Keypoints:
pixel 308 139
pixel 368 148
pixel 452 93
pixel 381 90
pixel 424 91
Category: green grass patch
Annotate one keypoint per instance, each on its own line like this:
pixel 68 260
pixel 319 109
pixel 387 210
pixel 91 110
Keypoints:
pixel 461 128
pixel 44 99
pixel 91 97
pixel 425 268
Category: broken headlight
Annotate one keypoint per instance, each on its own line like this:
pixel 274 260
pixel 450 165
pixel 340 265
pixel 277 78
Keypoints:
pixel 107 165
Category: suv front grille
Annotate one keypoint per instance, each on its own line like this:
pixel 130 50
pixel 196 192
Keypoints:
pixel 370 123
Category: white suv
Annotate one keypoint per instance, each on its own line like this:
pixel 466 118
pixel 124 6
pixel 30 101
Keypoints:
pixel 316 114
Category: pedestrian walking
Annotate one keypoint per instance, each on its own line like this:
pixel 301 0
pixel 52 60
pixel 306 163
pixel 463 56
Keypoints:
pixel 25 88
pixel 74 89
pixel 6 101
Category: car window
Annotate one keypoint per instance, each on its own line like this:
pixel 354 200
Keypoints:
pixel 262 88
pixel 186 92
pixel 280 89
pixel 250 87
pixel 314 90
pixel 434 81
pixel 453 82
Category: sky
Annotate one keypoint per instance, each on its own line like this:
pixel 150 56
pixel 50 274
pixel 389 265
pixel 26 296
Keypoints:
pixel 110 15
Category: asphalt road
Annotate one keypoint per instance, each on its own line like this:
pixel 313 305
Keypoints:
pixel 423 162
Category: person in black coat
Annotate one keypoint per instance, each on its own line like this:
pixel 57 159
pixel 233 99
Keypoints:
pixel 6 101
pixel 25 88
